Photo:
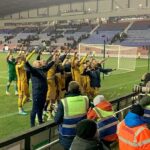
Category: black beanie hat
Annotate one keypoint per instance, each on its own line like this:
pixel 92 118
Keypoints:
pixel 137 109
pixel 86 129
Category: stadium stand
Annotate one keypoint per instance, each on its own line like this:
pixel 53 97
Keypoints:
pixel 138 34
pixel 55 24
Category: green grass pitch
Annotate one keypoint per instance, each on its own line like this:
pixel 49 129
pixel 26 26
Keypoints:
pixel 113 86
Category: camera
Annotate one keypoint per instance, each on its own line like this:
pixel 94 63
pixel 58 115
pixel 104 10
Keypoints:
pixel 141 89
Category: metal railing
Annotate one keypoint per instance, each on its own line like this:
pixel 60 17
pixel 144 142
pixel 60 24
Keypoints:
pixel 27 138
pixel 48 145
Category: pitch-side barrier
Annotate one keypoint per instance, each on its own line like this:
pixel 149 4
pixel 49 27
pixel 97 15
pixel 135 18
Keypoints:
pixel 45 136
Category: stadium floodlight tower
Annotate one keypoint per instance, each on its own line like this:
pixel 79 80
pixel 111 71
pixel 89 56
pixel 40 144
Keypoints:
pixel 148 48
pixel 104 37
pixel 123 58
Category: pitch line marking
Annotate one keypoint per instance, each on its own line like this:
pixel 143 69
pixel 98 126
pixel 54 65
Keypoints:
pixel 2 85
pixel 12 114
pixel 119 73
pixel 119 85
pixel 3 77
pixel 4 71
pixel 141 66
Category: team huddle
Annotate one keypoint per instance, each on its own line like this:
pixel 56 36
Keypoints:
pixel 50 78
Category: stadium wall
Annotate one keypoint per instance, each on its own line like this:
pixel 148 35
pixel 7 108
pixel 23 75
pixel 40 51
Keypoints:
pixel 91 9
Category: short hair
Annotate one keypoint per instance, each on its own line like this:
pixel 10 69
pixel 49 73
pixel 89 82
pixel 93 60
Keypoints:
pixel 74 87
pixel 137 109
pixel 86 129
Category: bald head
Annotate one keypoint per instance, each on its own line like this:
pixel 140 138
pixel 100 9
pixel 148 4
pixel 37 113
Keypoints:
pixel 43 62
pixel 37 64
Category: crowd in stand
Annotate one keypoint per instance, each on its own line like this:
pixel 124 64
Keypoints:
pixel 86 119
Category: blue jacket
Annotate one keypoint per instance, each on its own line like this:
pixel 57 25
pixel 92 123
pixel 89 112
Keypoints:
pixel 107 128
pixel 133 120
pixel 64 140
pixel 39 80
pixel 147 115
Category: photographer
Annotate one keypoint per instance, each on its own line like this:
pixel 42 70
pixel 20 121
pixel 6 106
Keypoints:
pixel 145 103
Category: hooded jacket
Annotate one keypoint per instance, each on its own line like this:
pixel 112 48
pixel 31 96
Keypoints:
pixel 82 144
pixel 133 120
pixel 133 133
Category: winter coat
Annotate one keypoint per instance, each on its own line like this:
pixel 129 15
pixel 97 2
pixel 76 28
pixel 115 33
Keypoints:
pixel 82 144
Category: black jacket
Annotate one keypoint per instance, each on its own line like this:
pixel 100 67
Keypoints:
pixel 39 80
pixel 94 74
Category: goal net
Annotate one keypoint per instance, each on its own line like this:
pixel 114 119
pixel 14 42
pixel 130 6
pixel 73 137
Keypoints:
pixel 119 57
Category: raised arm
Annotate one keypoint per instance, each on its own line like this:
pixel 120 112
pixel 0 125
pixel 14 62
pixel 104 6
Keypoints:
pixel 39 55
pixel 30 55
pixel 105 71
pixel 73 60
pixel 49 59
pixel 86 71
pixel 48 66
pixel 29 67
pixel 64 62
pixel 103 60
pixel 62 57
pixel 83 59
pixel 8 55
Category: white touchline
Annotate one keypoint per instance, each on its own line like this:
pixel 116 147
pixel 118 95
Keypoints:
pixel 2 85
pixel 11 114
pixel 119 85
pixel 3 77
pixel 4 71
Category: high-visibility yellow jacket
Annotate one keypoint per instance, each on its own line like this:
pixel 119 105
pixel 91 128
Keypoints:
pixel 75 110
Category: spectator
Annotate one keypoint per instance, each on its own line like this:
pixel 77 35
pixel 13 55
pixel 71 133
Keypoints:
pixel 102 113
pixel 145 103
pixel 132 132
pixel 69 114
pixel 87 137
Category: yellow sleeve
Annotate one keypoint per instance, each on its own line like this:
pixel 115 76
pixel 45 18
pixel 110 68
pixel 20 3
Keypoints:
pixel 63 63
pixel 30 55
pixel 73 61
pixel 17 72
pixel 83 59
pixel 20 65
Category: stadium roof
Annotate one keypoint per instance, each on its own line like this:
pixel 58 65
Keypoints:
pixel 13 6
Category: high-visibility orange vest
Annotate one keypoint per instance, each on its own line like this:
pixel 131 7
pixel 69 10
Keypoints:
pixel 136 138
